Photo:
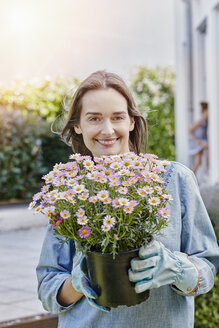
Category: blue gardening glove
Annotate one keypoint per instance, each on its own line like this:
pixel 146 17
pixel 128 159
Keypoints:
pixel 157 266
pixel 83 285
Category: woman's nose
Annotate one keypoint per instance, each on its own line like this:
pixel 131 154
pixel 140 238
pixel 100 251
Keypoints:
pixel 107 127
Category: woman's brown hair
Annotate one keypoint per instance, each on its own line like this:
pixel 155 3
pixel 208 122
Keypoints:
pixel 95 81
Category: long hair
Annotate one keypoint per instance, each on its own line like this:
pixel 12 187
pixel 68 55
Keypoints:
pixel 95 81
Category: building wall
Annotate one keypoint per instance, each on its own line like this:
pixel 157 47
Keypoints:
pixel 197 72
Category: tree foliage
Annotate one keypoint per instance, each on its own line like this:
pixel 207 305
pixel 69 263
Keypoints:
pixel 153 91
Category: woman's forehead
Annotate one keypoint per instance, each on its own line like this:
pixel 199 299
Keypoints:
pixel 104 99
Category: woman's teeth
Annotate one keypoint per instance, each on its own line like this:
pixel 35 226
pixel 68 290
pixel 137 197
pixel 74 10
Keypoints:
pixel 109 142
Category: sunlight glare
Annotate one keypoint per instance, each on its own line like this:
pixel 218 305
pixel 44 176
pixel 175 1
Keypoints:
pixel 19 20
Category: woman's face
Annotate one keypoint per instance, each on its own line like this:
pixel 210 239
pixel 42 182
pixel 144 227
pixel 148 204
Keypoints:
pixel 104 122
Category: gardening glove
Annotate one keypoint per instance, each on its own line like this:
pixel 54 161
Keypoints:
pixel 157 266
pixel 83 285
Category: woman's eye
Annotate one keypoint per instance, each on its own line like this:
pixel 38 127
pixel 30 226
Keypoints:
pixel 118 118
pixel 94 119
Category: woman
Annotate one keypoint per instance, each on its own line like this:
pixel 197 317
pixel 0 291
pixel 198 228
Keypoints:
pixel 179 264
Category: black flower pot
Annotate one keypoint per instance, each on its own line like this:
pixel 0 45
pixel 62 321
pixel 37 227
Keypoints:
pixel 110 279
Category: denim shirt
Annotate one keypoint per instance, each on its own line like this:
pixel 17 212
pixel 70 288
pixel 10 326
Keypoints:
pixel 190 231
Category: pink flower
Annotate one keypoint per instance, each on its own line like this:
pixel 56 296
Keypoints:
pixel 65 214
pixel 154 201
pixel 109 221
pixel 45 189
pixel 148 190
pixel 99 177
pixel 37 196
pixel 48 178
pixel 103 194
pixel 57 221
pixel 105 227
pixel 93 199
pixel 107 200
pixel 80 213
pixel 116 237
pixel 115 165
pixel 123 190
pixel 132 180
pixel 83 196
pixel 31 205
pixel 116 203
pixel 164 212
pixel 70 193
pixel 79 188
pixel 128 209
pixel 82 220
pixel 88 164
pixel 133 203
pixel 124 201
pixel 114 183
pixel 141 192
pixel 168 197
pixel 84 232
pixel 126 183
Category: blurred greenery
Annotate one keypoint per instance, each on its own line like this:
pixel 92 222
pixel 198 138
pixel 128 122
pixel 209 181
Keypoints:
pixel 207 305
pixel 28 148
pixel 19 163
pixel 37 96
pixel 153 91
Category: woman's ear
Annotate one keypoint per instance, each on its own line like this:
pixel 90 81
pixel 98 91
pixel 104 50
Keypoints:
pixel 132 124
pixel 77 129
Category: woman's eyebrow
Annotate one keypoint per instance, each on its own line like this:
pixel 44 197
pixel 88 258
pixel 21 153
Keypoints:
pixel 93 113
pixel 114 113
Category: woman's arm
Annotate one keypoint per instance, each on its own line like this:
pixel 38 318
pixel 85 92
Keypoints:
pixel 54 274
pixel 191 132
pixel 67 294
pixel 197 237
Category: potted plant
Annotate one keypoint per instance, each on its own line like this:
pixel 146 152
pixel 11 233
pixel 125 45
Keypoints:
pixel 110 206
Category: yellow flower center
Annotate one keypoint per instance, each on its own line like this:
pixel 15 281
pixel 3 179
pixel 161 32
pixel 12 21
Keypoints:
pixel 107 172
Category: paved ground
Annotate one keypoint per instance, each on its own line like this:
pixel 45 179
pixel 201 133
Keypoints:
pixel 20 246
pixel 16 217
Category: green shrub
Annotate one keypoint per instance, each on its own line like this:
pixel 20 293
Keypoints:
pixel 39 97
pixel 207 305
pixel 27 151
pixel 207 308
pixel 54 151
pixel 154 96
pixel 20 158
pixel 27 147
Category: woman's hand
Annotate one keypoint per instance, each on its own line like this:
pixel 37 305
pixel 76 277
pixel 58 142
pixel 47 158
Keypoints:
pixel 157 266
pixel 81 283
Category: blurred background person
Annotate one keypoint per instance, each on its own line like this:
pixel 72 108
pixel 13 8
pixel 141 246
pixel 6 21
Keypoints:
pixel 198 141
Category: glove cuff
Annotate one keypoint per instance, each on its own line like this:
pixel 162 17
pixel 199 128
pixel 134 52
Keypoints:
pixel 187 281
pixel 76 276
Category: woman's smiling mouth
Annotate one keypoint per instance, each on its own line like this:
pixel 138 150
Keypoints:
pixel 107 142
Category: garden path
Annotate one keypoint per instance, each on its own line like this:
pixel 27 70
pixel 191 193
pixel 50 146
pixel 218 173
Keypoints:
pixel 20 249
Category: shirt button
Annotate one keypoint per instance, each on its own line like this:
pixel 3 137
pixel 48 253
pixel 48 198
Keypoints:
pixel 189 289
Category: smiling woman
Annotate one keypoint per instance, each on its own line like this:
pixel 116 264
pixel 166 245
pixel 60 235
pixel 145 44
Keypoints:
pixel 105 131
pixel 176 265
pixel 104 117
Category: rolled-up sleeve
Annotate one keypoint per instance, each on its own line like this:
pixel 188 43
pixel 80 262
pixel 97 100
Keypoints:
pixel 54 267
pixel 198 239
